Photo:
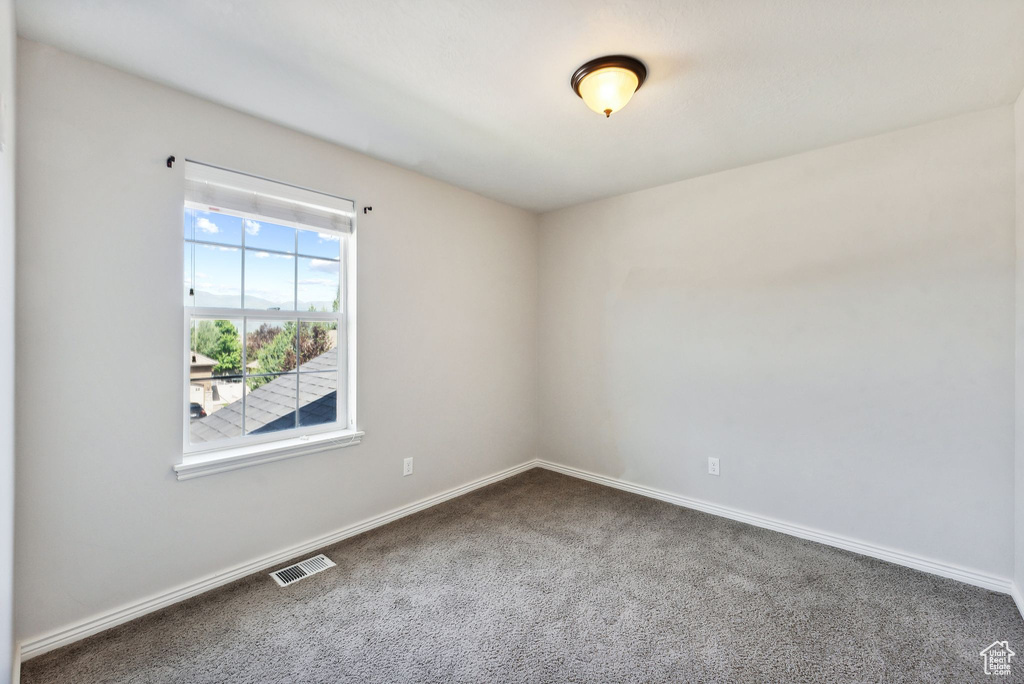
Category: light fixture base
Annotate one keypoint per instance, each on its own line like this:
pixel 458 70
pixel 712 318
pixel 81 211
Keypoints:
pixel 622 61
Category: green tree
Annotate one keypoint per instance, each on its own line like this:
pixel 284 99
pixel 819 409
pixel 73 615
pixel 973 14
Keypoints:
pixel 276 356
pixel 219 341
pixel 315 339
pixel 227 350
pixel 204 338
pixel 259 338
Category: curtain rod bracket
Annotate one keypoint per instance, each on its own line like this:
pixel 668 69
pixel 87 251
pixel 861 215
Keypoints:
pixel 367 210
pixel 170 161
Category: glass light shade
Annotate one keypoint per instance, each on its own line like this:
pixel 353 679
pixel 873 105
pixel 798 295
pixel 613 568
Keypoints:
pixel 608 90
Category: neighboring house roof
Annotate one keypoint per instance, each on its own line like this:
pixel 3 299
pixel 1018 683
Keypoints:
pixel 271 407
pixel 202 360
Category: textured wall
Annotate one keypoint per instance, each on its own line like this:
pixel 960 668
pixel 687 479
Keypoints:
pixel 7 42
pixel 836 326
pixel 447 344
pixel 1018 576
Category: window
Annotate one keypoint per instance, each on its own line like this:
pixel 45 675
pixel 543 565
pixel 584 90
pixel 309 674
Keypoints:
pixel 268 277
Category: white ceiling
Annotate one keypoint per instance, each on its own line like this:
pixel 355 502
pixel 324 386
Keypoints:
pixel 476 92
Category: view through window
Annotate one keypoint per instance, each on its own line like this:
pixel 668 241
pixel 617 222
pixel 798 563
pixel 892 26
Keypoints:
pixel 264 305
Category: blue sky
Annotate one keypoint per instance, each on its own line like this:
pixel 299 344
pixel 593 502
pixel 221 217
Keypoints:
pixel 268 276
pixel 213 227
pixel 322 245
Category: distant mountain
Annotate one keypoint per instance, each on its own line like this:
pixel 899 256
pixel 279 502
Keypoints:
pixel 319 306
pixel 228 301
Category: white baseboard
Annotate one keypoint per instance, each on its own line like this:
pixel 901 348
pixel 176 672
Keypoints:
pixel 31 648
pixel 16 664
pixel 36 646
pixel 1017 598
pixel 961 574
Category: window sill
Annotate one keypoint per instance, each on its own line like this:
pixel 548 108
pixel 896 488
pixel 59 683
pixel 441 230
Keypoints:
pixel 211 463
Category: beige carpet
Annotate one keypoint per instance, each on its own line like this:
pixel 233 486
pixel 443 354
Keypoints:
pixel 544 578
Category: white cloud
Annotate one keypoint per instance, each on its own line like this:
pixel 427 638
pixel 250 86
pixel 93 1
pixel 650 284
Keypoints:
pixel 206 225
pixel 324 265
pixel 330 237
pixel 252 227
pixel 261 255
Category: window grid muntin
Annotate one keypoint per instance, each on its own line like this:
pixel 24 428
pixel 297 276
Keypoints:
pixel 342 418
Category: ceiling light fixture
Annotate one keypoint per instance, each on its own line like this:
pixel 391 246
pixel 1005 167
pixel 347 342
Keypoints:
pixel 605 84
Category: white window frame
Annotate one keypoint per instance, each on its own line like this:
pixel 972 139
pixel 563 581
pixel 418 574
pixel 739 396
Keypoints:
pixel 237 452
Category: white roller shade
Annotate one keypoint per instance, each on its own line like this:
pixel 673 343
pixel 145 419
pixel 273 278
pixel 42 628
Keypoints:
pixel 219 189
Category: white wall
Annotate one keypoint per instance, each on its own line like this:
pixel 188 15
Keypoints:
pixel 7 48
pixel 447 344
pixel 1018 575
pixel 836 326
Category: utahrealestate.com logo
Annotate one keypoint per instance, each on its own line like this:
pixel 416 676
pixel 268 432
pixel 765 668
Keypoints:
pixel 997 658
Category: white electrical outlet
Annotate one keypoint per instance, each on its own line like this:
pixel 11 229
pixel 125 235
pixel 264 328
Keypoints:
pixel 407 467
pixel 712 465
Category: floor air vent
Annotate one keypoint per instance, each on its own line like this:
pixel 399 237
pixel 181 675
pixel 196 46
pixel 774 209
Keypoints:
pixel 293 573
